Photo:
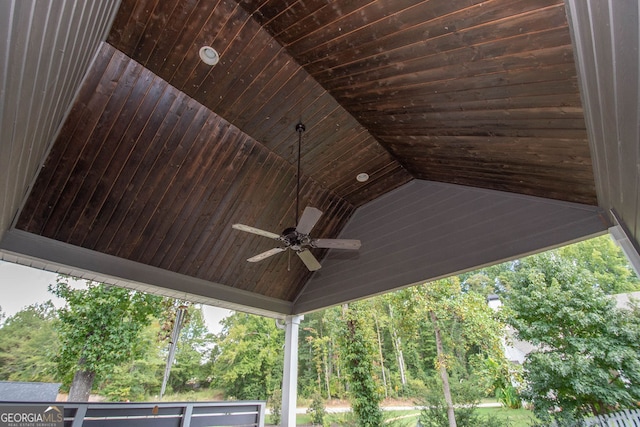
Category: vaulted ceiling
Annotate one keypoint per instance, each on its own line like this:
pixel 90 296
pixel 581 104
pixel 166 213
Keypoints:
pixel 467 116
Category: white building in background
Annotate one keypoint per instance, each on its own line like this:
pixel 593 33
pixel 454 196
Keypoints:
pixel 514 350
pixel 624 300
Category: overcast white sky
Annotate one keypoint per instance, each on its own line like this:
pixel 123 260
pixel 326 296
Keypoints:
pixel 22 286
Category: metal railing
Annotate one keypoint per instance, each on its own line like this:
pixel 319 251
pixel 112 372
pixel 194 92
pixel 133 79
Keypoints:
pixel 174 414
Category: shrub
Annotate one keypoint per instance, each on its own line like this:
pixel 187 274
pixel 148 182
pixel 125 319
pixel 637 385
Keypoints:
pixel 275 404
pixel 509 397
pixel 317 410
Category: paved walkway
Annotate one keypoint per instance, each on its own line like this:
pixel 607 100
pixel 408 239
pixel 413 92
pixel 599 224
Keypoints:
pixel 342 409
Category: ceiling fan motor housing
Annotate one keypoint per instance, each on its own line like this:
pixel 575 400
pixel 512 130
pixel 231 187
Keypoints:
pixel 295 240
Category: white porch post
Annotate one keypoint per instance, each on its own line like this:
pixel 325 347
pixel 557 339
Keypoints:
pixel 290 374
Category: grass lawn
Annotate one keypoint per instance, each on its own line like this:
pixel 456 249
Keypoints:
pixel 408 418
pixel 400 419
pixel 516 417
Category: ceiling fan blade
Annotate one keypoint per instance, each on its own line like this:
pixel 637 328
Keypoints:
pixel 309 218
pixel 266 254
pixel 309 260
pixel 336 243
pixel 257 231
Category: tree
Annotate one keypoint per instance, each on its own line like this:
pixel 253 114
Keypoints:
pixel 358 353
pixel 588 351
pixel 319 357
pixel 188 371
pixel 141 375
pixel 412 343
pixel 473 338
pixel 98 328
pixel 606 261
pixel 27 342
pixel 249 357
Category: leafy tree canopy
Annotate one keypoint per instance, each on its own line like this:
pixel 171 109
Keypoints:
pixel 606 261
pixel 189 369
pixel 99 326
pixel 249 357
pixel 28 342
pixel 588 357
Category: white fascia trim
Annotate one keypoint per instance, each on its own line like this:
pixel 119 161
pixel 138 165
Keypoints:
pixel 47 254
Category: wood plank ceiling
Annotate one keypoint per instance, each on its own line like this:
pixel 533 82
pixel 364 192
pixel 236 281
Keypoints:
pixel 161 153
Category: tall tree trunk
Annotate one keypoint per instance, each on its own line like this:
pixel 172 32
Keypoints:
pixel 81 386
pixel 327 374
pixel 384 375
pixel 442 367
pixel 397 346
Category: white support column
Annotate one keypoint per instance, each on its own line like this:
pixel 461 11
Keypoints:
pixel 290 374
pixel 626 244
pixel 625 241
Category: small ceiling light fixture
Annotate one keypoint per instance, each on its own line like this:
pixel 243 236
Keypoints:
pixel 362 177
pixel 209 55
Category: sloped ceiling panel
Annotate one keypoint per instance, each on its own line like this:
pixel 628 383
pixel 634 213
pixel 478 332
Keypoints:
pixel 427 230
pixel 45 50
pixel 258 87
pixel 477 93
pixel 159 179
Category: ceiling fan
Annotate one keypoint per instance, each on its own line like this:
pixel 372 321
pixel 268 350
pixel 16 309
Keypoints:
pixel 297 238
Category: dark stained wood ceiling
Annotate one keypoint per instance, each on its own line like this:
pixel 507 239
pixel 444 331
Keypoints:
pixel 161 153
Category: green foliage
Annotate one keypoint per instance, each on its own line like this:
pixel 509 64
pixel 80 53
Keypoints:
pixel 319 355
pixel 588 357
pixel 99 326
pixel 606 261
pixel 466 395
pixel 189 370
pixel 358 353
pixel 509 397
pixel 28 341
pixel 504 375
pixel 320 347
pixel 317 410
pixel 473 342
pixel 249 359
pixel 275 404
pixel 140 376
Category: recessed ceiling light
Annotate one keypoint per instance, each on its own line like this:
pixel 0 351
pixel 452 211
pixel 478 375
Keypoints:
pixel 362 177
pixel 209 55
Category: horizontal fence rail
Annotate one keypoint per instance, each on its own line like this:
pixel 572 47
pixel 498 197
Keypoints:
pixel 173 414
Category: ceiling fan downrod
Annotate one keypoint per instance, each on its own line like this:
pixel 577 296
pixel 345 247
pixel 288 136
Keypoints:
pixel 299 128
pixel 297 238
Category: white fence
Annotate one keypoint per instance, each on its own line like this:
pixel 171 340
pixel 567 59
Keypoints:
pixel 626 418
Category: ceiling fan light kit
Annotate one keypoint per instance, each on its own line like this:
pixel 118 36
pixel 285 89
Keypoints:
pixel 298 238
